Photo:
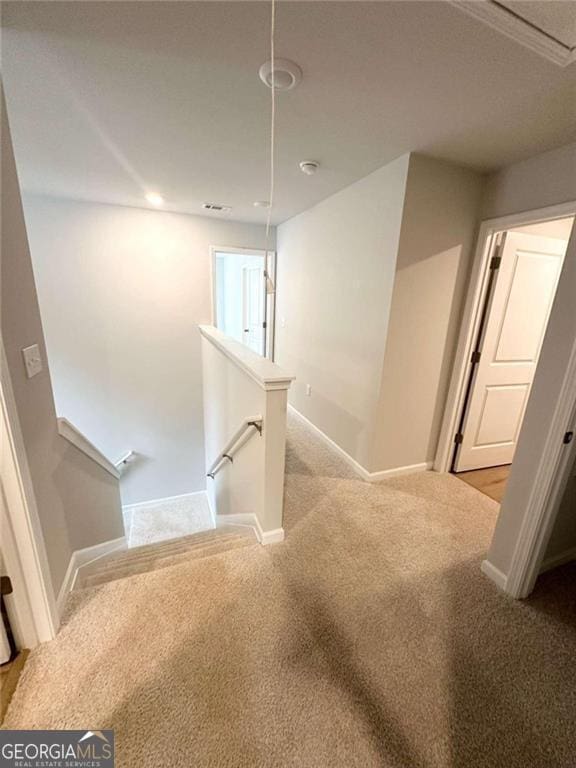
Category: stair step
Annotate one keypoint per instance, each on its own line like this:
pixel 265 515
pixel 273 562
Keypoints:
pixel 184 541
pixel 158 556
pixel 153 557
pixel 171 547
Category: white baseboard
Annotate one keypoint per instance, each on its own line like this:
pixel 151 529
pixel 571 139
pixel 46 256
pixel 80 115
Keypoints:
pixel 251 521
pixel 152 502
pixel 81 561
pixel 370 477
pixel 211 502
pixel 272 537
pixel 384 474
pixel 557 560
pixel 493 573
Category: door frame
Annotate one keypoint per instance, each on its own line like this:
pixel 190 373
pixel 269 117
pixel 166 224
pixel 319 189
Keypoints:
pixel 548 480
pixel 32 606
pixel 500 243
pixel 548 487
pixel 270 307
pixel 471 319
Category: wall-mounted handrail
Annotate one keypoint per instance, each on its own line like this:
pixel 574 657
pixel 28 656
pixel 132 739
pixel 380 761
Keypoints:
pixel 71 433
pixel 227 454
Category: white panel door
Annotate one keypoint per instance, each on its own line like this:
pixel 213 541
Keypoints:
pixel 253 307
pixel 523 295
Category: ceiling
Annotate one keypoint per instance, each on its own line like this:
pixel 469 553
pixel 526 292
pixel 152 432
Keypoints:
pixel 109 100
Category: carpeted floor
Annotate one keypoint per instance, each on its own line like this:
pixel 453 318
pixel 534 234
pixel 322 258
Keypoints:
pixel 167 519
pixel 368 638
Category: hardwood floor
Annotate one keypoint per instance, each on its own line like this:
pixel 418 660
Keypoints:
pixel 490 481
pixel 9 675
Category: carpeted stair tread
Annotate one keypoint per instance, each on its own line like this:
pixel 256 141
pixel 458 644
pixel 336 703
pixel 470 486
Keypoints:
pixel 159 556
pixel 176 546
pixel 134 556
pixel 105 576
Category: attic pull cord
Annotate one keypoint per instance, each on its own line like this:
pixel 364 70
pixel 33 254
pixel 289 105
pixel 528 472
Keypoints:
pixel 269 287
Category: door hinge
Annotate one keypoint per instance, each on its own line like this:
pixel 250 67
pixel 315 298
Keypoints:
pixel 264 325
pixel 475 357
pixel 495 262
pixel 5 585
pixel 568 438
pixel 458 438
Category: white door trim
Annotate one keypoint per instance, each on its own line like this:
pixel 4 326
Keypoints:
pixel 548 487
pixel 549 479
pixel 471 319
pixel 33 604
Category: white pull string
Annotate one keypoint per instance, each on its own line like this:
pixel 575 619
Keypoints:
pixel 270 285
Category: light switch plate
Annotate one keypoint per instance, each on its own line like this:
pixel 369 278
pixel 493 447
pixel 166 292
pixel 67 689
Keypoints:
pixel 32 360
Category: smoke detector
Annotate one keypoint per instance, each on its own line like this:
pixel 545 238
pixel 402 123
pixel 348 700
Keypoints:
pixel 287 74
pixel 217 207
pixel 309 167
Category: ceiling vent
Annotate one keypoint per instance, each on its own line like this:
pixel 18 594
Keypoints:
pixel 217 207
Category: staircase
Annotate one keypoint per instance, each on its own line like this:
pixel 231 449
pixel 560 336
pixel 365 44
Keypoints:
pixel 153 557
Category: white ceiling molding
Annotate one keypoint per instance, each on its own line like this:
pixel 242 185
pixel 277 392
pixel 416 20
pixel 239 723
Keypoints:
pixel 512 25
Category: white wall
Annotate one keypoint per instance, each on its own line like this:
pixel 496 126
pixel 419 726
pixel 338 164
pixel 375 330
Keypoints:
pixel 78 502
pixel 540 181
pixel 370 291
pixel 437 239
pixel 336 266
pixel 121 292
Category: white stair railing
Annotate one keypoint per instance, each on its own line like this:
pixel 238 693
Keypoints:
pixel 227 453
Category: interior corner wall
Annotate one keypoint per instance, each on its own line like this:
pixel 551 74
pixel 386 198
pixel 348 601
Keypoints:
pixel 335 272
pixel 538 182
pixel 78 504
pixel 437 239
pixel 122 291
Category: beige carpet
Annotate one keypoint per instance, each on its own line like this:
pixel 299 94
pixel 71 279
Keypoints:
pixel 167 519
pixel 165 554
pixel 368 638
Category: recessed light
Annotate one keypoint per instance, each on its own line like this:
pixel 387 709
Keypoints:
pixel 261 204
pixel 154 198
